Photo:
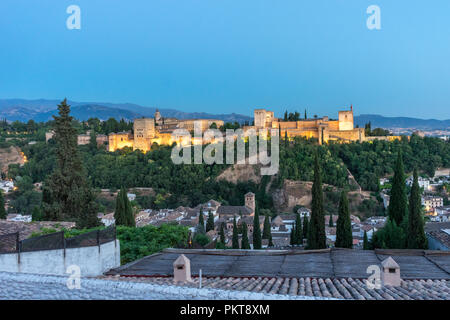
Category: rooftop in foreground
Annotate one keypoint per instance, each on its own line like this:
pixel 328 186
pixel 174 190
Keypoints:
pixel 329 273
pixel 327 263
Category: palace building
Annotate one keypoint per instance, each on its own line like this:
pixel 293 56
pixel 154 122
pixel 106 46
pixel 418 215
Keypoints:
pixel 147 131
pixel 323 129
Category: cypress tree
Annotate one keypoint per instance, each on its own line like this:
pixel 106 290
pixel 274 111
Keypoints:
pixel 266 230
pixel 286 140
pixel 2 206
pixel 293 241
pixel 285 115
pixel 244 242
pixel 330 222
pixel 93 141
pixel 222 233
pixel 398 201
pixel 305 227
pixel 416 238
pixel 344 238
pixel 316 236
pixel 201 222
pixel 270 241
pixel 235 239
pixel 305 115
pixel 124 212
pixel 210 222
pixel 298 230
pixel 365 241
pixel 69 194
pixel 256 230
pixel 36 215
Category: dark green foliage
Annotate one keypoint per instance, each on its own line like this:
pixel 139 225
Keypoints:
pixel 244 241
pixel 416 238
pixel 398 203
pixel 201 239
pixel 266 231
pixel 69 193
pixel 330 222
pixel 366 245
pixel 222 233
pixel 201 223
pixel 25 197
pixel 390 237
pixel 316 236
pixel 270 241
pixel 344 238
pixel 293 240
pixel 124 212
pixel 210 221
pixel 2 206
pixel 298 230
pixel 370 161
pixel 136 243
pixel 305 227
pixel 257 242
pixel 235 239
pixel 37 214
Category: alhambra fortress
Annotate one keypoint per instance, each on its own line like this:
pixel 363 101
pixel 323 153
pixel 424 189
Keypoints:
pixel 147 131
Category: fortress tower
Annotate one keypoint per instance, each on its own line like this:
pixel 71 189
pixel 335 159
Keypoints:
pixel 250 200
pixel 346 120
pixel 144 132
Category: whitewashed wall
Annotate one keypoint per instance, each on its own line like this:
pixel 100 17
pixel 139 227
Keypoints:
pixel 93 261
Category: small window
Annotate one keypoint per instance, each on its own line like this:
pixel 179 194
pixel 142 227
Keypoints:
pixel 391 270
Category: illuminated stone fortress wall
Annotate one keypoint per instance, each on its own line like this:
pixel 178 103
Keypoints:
pixel 323 129
pixel 147 131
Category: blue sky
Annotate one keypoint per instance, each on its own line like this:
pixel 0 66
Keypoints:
pixel 232 55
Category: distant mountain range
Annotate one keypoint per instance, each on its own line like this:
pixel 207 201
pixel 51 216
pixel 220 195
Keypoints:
pixel 377 121
pixel 43 110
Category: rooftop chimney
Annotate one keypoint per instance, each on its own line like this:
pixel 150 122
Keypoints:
pixel 182 269
pixel 390 273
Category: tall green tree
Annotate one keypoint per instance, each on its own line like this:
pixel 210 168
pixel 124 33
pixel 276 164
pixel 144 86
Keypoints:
pixel 210 221
pixel 344 238
pixel 298 229
pixel 305 227
pixel 398 202
pixel 2 206
pixel 330 222
pixel 244 242
pixel 316 236
pixel 70 196
pixel 222 233
pixel 201 222
pixel 123 213
pixel 235 238
pixel 266 230
pixel 93 141
pixel 416 238
pixel 365 241
pixel 257 242
pixel 293 239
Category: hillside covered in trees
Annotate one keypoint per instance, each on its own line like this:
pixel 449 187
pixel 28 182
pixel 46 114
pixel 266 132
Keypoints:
pixel 189 185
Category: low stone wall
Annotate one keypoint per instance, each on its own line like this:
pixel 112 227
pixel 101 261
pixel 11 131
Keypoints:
pixel 93 261
pixel 20 286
